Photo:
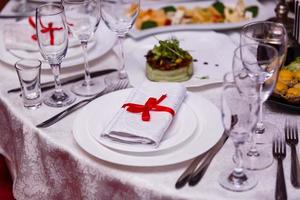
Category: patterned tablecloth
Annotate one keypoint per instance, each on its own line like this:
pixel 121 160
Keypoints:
pixel 49 164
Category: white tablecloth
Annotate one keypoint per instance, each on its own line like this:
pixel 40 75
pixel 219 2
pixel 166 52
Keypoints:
pixel 48 163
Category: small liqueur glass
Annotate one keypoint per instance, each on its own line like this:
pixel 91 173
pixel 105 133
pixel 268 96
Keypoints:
pixel 29 73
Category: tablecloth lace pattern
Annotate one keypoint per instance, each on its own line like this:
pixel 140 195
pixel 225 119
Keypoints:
pixel 42 170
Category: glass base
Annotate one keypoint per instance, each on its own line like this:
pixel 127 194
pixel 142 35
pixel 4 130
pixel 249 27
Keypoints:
pixel 244 182
pixel 258 160
pixel 59 99
pixel 265 135
pixel 86 90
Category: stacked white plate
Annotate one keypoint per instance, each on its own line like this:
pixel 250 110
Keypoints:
pixel 196 127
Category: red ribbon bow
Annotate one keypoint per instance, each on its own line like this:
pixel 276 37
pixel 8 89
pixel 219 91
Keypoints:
pixel 150 105
pixel 45 29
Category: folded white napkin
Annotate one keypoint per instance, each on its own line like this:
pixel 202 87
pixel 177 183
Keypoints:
pixel 18 36
pixel 128 127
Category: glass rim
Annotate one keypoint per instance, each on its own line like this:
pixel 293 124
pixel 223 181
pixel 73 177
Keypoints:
pixel 237 53
pixel 20 66
pixel 57 5
pixel 246 26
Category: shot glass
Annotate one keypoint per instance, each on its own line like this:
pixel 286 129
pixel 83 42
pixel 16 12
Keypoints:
pixel 29 73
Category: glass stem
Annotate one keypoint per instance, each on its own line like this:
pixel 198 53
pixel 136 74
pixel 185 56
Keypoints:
pixel 260 125
pixel 253 150
pixel 238 169
pixel 87 73
pixel 122 72
pixel 56 71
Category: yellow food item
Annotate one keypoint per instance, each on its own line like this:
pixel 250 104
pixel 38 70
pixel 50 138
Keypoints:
pixel 285 76
pixel 281 88
pixel 293 92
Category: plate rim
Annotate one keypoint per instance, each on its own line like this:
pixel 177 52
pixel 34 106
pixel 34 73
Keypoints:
pixel 179 155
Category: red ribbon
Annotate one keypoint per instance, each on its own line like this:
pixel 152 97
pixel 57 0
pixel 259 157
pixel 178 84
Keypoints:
pixel 150 105
pixel 45 29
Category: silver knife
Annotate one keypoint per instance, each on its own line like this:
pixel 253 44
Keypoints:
pixel 49 85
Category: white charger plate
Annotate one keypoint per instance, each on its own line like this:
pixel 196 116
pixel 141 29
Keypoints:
pixel 104 41
pixel 179 131
pixel 263 14
pixel 207 114
pixel 209 47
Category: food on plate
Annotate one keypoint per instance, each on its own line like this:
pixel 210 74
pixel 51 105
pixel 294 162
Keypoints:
pixel 288 83
pixel 167 61
pixel 217 12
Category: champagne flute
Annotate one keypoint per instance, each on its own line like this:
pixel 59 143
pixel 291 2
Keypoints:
pixel 52 37
pixel 83 17
pixel 235 104
pixel 255 74
pixel 119 16
pixel 273 34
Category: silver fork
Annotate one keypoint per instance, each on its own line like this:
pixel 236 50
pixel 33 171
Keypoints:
pixel 121 84
pixel 279 153
pixel 291 138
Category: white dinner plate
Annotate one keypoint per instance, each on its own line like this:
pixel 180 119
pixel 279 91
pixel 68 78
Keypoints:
pixel 213 52
pixel 263 14
pixel 103 42
pixel 207 114
pixel 178 132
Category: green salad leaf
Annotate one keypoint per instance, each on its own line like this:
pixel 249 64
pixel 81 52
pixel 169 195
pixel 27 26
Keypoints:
pixel 169 49
pixel 295 65
pixel 219 6
pixel 169 9
pixel 148 24
pixel 253 10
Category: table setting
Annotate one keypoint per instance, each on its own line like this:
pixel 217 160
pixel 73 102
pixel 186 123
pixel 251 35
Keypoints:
pixel 91 106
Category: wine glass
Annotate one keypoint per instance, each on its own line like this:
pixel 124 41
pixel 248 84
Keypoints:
pixel 52 37
pixel 235 106
pixel 255 68
pixel 119 16
pixel 83 17
pixel 274 34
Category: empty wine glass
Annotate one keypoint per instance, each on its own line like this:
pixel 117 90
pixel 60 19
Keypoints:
pixel 52 37
pixel 83 17
pixel 119 16
pixel 235 105
pixel 255 71
pixel 274 34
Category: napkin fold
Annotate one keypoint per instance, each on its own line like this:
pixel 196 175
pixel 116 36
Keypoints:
pixel 19 36
pixel 129 127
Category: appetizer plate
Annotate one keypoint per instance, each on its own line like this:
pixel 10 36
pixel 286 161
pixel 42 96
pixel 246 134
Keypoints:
pixel 207 114
pixel 179 131
pixel 213 52
pixel 264 12
pixel 103 41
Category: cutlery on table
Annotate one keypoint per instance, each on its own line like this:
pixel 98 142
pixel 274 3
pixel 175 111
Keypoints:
pixel 202 161
pixel 72 79
pixel 279 153
pixel 291 138
pixel 200 171
pixel 121 84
